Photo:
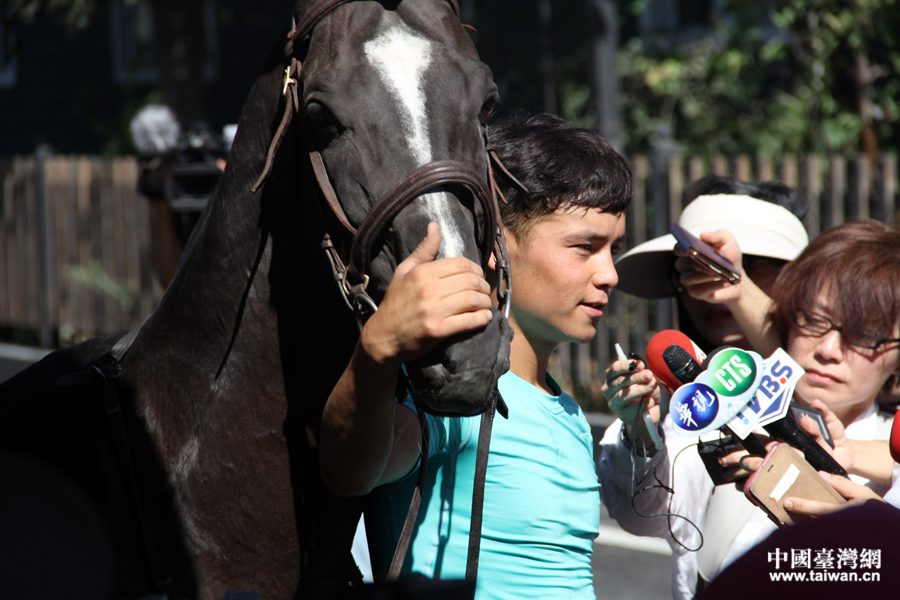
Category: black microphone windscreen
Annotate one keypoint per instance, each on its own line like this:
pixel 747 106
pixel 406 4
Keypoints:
pixel 681 363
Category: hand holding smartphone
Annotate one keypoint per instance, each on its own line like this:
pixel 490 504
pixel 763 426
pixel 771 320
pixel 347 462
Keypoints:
pixel 705 256
pixel 798 411
pixel 785 473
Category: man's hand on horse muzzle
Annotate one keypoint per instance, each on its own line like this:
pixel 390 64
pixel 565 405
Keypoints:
pixel 426 302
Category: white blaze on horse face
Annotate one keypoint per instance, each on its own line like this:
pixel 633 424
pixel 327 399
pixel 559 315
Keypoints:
pixel 401 58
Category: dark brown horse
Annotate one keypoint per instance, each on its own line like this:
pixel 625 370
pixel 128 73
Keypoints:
pixel 195 434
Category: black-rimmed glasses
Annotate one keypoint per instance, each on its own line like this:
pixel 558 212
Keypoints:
pixel 819 325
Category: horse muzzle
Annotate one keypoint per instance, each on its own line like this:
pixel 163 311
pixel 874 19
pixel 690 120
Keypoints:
pixel 459 377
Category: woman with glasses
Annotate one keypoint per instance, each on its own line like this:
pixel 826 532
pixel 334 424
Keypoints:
pixel 838 311
pixel 838 308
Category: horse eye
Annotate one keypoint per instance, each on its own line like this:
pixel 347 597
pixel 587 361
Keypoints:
pixel 488 108
pixel 323 121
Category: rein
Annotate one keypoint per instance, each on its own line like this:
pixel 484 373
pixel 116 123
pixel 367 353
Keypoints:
pixel 352 276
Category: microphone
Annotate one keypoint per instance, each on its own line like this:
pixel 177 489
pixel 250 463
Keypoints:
pixel 787 430
pixel 656 350
pixel 737 392
pixel 777 384
pixel 681 364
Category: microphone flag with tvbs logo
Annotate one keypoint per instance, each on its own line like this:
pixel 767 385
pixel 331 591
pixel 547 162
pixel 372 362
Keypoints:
pixel 737 389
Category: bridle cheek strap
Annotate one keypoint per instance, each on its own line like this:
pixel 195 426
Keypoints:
pixel 291 106
pixel 328 193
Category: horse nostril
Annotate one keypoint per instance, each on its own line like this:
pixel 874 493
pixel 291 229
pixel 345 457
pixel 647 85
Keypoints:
pixel 448 363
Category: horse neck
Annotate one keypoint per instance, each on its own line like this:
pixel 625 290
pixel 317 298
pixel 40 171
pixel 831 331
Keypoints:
pixel 224 262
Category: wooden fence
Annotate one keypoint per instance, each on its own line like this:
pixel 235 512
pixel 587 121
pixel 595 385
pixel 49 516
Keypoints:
pixel 74 247
pixel 75 241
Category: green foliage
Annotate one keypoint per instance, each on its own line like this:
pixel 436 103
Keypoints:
pixel 575 103
pixel 768 80
pixel 95 278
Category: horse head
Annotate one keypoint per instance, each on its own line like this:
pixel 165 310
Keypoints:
pixel 396 129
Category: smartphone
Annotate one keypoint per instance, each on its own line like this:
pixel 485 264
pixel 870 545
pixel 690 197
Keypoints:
pixel 798 410
pixel 785 473
pixel 704 255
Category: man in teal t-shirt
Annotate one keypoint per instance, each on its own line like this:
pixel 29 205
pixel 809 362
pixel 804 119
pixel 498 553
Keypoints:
pixel 541 507
pixel 540 523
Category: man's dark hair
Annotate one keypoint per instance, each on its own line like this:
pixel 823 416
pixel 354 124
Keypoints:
pixel 771 191
pixel 561 165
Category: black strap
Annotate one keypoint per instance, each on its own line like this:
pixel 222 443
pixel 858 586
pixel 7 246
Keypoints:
pixel 108 371
pixel 413 512
pixel 481 461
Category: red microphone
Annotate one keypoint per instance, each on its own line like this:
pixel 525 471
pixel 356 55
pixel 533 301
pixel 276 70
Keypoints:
pixel 895 437
pixel 656 351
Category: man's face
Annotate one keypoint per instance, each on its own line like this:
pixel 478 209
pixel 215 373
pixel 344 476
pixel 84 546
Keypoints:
pixel 562 272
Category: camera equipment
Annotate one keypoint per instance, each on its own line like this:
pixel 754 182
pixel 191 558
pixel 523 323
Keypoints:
pixel 180 167
pixel 193 171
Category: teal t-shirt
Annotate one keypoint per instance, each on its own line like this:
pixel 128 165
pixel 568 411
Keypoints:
pixel 541 509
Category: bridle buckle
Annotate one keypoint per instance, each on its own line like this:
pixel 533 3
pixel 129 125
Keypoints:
pixel 288 81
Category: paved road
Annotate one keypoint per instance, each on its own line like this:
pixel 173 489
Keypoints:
pixel 625 567
pixel 628 567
